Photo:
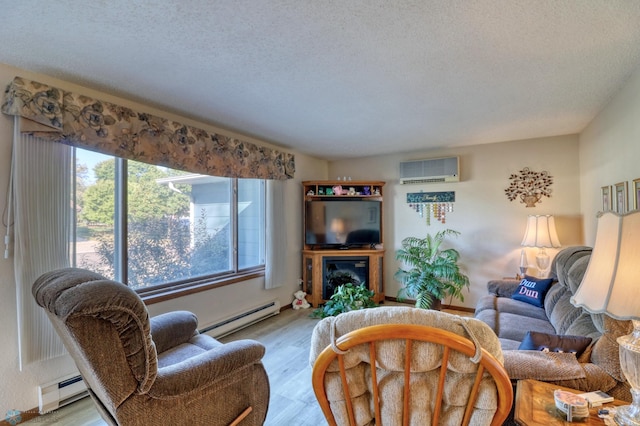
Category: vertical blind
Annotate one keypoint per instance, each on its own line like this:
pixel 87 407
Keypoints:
pixel 42 181
pixel 276 230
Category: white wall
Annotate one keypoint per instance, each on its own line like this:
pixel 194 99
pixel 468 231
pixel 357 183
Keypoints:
pixel 491 226
pixel 18 389
pixel 610 151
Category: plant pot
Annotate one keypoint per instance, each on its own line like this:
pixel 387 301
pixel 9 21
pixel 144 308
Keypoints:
pixel 436 305
pixel 530 200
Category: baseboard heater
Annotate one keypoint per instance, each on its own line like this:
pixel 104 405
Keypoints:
pixel 61 392
pixel 243 319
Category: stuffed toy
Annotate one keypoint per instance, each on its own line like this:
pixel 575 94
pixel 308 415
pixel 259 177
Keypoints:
pixel 299 301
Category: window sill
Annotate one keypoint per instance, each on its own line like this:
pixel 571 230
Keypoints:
pixel 168 293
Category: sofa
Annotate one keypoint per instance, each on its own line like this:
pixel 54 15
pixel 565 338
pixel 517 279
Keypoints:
pixel 557 322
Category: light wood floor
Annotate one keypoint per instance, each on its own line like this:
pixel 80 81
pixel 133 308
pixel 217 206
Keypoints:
pixel 287 338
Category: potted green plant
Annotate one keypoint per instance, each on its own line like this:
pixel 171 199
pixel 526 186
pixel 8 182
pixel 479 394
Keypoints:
pixel 428 273
pixel 347 297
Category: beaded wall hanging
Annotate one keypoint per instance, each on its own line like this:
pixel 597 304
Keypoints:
pixel 436 204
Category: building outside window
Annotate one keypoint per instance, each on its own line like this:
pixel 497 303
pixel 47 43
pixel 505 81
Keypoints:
pixel 168 228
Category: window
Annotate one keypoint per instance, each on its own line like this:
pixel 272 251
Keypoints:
pixel 153 227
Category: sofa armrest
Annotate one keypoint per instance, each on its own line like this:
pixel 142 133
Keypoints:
pixel 544 366
pixel 215 365
pixel 562 369
pixel 503 288
pixel 172 329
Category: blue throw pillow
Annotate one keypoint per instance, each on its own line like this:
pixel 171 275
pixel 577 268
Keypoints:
pixel 532 290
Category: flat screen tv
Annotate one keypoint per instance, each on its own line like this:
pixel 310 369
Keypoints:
pixel 342 223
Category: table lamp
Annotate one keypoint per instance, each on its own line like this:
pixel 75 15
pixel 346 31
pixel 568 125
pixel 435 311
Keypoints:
pixel 610 286
pixel 541 233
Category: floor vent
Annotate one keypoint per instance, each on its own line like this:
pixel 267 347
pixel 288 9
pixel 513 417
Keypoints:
pixel 242 320
pixel 61 392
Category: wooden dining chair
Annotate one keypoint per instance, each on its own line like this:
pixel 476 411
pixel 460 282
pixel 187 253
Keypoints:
pixel 410 374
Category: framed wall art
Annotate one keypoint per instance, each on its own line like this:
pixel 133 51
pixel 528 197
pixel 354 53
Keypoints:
pixel 620 196
pixel 606 198
pixel 636 193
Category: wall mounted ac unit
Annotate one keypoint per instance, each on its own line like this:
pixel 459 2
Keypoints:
pixel 433 170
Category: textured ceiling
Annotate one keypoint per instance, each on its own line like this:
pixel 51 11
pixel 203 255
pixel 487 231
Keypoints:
pixel 342 78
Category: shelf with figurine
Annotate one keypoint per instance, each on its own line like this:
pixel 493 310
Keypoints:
pixel 343 188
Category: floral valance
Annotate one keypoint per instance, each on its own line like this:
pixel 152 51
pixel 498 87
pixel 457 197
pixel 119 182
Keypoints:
pixel 81 121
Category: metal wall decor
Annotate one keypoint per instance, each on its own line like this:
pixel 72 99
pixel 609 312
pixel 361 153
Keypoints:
pixel 427 204
pixel 529 186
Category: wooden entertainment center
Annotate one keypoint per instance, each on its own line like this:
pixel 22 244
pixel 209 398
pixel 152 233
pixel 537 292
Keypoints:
pixel 329 250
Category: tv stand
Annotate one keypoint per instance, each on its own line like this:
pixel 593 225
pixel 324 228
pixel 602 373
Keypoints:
pixel 323 268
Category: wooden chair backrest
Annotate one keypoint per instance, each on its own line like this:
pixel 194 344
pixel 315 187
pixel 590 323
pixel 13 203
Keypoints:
pixel 410 333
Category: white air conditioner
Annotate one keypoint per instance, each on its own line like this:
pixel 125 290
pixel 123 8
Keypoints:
pixel 433 170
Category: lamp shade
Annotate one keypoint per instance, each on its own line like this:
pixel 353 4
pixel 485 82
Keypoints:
pixel 540 232
pixel 610 284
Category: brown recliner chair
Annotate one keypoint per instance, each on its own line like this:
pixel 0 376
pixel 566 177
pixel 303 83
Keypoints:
pixel 151 371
